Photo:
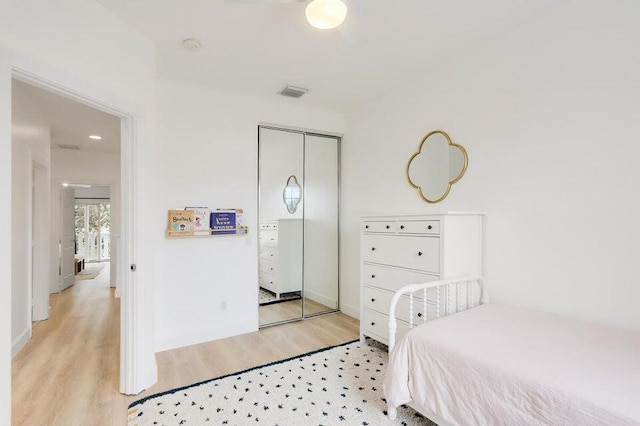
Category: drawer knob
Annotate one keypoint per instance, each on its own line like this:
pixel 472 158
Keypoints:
pixel 388 227
pixel 271 255
pixel 419 314
pixel 373 323
pixel 419 253
pixel 270 282
pixel 373 249
pixel 373 275
pixel 401 226
pixel 373 300
pixel 271 269
pixel 429 227
pixel 366 227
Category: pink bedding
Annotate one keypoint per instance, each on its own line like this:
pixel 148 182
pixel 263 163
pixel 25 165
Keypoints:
pixel 501 365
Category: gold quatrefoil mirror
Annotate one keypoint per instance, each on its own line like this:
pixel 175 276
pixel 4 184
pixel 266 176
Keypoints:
pixel 438 164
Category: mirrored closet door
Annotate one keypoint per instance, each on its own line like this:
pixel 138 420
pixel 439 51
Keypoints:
pixel 299 227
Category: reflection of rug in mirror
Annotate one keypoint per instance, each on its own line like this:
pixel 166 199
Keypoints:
pixel 268 297
pixel 90 271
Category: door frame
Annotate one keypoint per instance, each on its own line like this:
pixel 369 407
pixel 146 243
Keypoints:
pixel 38 292
pixel 132 379
pixel 61 239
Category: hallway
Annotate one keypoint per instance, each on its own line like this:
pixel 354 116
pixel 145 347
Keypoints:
pixel 68 372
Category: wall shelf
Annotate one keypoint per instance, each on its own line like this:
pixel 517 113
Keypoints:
pixel 241 234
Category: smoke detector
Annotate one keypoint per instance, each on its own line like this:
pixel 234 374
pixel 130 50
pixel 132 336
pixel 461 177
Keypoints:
pixel 292 91
pixel 191 45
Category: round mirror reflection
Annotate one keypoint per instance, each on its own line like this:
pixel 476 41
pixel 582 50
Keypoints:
pixel 292 194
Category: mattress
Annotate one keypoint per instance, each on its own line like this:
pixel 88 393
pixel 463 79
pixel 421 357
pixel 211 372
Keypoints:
pixel 497 364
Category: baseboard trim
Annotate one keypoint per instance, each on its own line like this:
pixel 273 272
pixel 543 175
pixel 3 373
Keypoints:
pixel 19 342
pixel 319 298
pixel 188 339
pixel 150 377
pixel 352 311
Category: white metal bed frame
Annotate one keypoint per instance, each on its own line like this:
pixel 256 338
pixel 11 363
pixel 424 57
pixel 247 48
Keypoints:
pixel 459 295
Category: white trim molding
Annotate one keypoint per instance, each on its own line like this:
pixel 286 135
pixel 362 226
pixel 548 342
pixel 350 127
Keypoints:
pixel 138 369
pixel 19 342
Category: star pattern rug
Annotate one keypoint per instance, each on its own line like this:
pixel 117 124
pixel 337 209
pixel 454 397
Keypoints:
pixel 340 385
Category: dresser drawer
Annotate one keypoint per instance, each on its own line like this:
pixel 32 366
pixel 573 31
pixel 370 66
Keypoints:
pixel 402 310
pixel 376 299
pixel 388 227
pixel 268 281
pixel 393 279
pixel 426 227
pixel 268 253
pixel 419 253
pixel 378 324
pixel 269 238
pixel 267 266
pixel 380 301
pixel 269 226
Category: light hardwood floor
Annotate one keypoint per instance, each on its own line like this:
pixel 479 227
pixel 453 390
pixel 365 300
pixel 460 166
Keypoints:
pixel 283 311
pixel 68 372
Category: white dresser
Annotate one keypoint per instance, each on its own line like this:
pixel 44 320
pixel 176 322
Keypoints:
pixel 400 250
pixel 281 255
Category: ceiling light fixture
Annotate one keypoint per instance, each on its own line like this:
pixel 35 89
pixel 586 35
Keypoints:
pixel 95 137
pixel 326 14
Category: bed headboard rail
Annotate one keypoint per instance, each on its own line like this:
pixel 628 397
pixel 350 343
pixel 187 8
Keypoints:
pixel 441 298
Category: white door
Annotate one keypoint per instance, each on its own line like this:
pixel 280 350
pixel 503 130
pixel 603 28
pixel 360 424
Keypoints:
pixel 68 237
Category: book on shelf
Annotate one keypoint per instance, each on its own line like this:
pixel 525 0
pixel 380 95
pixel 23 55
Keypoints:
pixel 200 220
pixel 180 222
pixel 227 221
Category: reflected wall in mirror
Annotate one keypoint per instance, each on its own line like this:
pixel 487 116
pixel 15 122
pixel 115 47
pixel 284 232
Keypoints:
pixel 291 194
pixel 298 238
pixel 438 164
pixel 321 224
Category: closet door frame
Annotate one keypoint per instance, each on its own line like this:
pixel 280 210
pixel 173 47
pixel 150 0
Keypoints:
pixel 305 133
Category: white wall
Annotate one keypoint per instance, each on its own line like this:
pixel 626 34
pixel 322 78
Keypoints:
pixel 30 142
pixel 549 116
pixel 5 242
pixel 83 167
pixel 79 45
pixel 207 155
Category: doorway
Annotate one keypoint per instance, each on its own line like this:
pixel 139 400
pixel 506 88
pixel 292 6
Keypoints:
pixel 135 375
pixel 92 220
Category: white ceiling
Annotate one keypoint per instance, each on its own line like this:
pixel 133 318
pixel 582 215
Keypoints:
pixel 255 47
pixel 72 122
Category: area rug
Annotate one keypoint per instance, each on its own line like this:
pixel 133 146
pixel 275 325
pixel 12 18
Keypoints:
pixel 268 297
pixel 340 385
pixel 91 271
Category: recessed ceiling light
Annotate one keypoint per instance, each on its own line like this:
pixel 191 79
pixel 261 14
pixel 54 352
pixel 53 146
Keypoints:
pixel 95 137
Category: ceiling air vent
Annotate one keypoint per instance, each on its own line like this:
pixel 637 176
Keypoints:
pixel 72 147
pixel 292 91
